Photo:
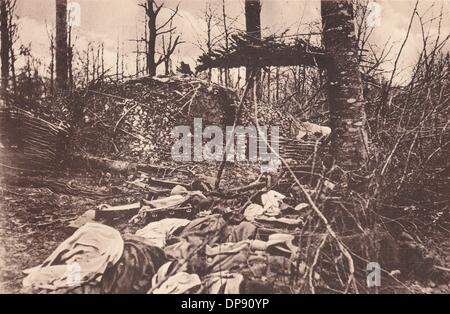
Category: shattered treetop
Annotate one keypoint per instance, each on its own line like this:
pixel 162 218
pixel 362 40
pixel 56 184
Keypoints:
pixel 245 50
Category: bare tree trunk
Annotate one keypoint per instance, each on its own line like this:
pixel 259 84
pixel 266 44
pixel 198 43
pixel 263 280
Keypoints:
pixel 208 18
pixel 153 31
pixel 151 43
pixel 221 76
pixel 99 64
pixel 122 65
pixel 70 57
pixel 253 25
pixel 167 66
pixel 117 59
pixel 138 54
pixel 169 47
pixel 93 64
pixel 277 78
pixel 61 44
pixel 344 86
pixel 52 63
pixel 103 59
pixel 87 63
pixel 12 65
pixel 12 31
pixel 5 46
pixel 226 32
pixel 145 40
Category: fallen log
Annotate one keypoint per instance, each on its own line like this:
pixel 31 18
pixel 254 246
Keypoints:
pixel 53 185
pixel 117 166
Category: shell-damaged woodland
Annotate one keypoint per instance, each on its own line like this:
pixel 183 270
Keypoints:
pixel 224 146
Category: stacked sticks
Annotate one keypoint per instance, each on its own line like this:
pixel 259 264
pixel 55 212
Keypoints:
pixel 28 142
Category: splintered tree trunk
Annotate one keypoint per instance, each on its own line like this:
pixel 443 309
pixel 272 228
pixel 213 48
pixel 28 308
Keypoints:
pixel 52 63
pixel 70 58
pixel 253 25
pixel 344 87
pixel 5 45
pixel 61 44
pixel 151 43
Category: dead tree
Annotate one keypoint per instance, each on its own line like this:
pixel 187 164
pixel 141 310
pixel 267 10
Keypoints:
pixel 5 43
pixel 61 45
pixel 253 25
pixel 102 59
pixel 117 59
pixel 51 67
pixel 94 64
pixel 209 42
pixel 227 43
pixel 137 52
pixel 344 86
pixel 70 57
pixel 87 63
pixel 122 64
pixel 152 9
pixel 168 48
pixel 13 37
pixel 8 28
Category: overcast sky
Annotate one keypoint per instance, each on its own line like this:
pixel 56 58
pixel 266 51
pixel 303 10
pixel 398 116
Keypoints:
pixel 111 20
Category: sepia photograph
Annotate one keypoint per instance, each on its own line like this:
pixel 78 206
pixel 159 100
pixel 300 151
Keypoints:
pixel 235 148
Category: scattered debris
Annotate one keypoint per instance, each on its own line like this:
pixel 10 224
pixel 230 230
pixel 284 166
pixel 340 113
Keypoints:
pixel 203 254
